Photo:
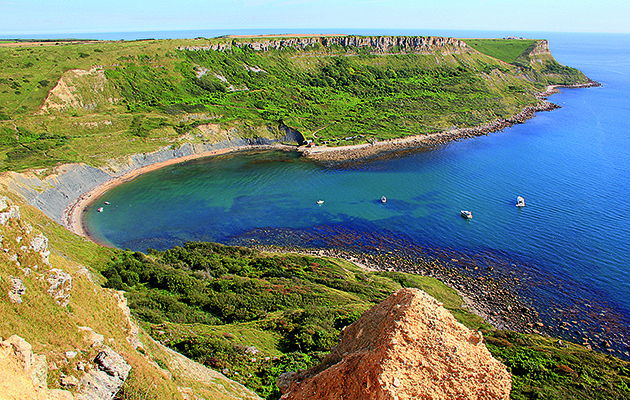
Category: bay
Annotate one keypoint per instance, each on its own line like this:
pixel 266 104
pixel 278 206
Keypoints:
pixel 571 165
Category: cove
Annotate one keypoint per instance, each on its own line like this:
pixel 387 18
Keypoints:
pixel 571 165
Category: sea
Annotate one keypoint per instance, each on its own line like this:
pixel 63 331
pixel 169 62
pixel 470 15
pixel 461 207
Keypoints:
pixel 566 247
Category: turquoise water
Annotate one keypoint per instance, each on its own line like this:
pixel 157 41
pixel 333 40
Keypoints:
pixel 571 165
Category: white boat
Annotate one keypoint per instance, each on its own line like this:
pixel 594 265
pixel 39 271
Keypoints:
pixel 320 201
pixel 466 214
pixel 107 203
pixel 100 209
pixel 383 199
pixel 520 202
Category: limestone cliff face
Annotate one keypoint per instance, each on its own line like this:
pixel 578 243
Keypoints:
pixel 376 44
pixel 542 47
pixel 407 347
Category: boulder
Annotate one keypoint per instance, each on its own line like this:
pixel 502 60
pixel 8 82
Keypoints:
pixel 104 382
pixel 407 347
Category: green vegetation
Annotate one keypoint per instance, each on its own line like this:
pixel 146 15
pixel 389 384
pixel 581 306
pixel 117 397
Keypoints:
pixel 139 96
pixel 213 303
pixel 507 50
pixel 254 316
pixel 249 314
pixel 544 368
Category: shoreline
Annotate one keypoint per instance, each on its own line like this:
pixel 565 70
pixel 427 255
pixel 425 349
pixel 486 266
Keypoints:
pixel 494 298
pixel 72 215
pixel 361 152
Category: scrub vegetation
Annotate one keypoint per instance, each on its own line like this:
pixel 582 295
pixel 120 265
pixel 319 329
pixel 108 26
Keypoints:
pixel 254 316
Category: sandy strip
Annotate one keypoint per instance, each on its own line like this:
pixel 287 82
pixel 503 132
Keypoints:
pixel 72 215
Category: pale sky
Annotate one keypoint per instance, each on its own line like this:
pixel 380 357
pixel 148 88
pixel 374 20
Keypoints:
pixel 23 17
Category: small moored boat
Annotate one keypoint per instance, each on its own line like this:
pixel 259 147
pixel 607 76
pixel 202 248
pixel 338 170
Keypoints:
pixel 520 202
pixel 466 214
pixel 100 209
pixel 383 199
pixel 320 201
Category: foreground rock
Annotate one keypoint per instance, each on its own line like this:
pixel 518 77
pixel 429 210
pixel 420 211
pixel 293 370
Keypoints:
pixel 407 347
pixel 23 373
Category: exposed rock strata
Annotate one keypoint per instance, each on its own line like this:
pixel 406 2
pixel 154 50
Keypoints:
pixel 377 44
pixel 56 194
pixel 407 347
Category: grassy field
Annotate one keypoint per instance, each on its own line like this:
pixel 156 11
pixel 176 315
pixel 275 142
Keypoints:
pixel 507 50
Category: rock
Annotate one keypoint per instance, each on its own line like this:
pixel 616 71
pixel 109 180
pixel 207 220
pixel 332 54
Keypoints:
pixel 285 380
pixel 104 382
pixel 60 286
pixel 17 290
pixel 251 350
pixel 12 213
pixel 112 363
pixel 39 244
pixel 448 360
pixel 69 381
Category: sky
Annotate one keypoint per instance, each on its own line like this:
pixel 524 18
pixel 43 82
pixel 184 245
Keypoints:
pixel 18 18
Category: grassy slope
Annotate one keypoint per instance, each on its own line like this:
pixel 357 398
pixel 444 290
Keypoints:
pixel 213 303
pixel 161 94
pixel 53 329
pixel 507 50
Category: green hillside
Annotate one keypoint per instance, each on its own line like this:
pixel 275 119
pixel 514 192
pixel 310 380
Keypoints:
pixel 507 50
pixel 255 315
pixel 119 98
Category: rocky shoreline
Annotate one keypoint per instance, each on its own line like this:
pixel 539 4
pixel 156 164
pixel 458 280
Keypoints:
pixel 493 298
pixel 334 156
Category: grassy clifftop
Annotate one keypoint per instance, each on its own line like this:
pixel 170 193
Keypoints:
pixel 93 101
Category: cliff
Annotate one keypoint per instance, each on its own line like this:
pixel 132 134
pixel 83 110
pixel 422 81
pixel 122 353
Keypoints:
pixel 375 44
pixel 407 347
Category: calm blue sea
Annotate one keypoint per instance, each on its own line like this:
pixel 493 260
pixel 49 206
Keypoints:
pixel 571 165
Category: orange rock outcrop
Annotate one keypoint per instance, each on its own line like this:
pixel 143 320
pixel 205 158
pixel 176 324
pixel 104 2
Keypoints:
pixel 407 347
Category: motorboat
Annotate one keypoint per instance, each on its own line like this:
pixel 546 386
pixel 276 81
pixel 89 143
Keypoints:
pixel 383 199
pixel 466 214
pixel 520 202
pixel 100 209
pixel 320 201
